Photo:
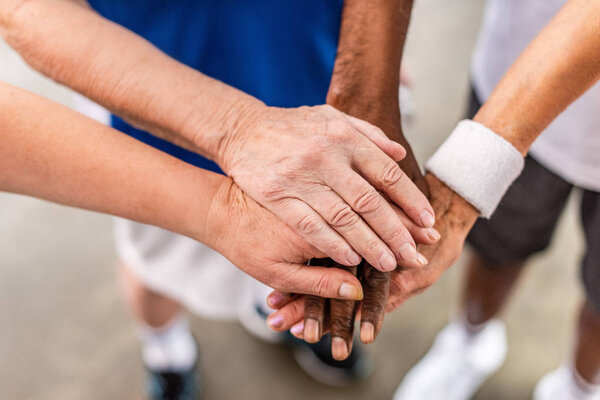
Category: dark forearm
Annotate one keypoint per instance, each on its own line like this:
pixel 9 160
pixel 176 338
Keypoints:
pixel 366 75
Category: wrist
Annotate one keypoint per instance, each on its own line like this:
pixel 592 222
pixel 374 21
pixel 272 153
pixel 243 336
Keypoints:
pixel 383 111
pixel 198 208
pixel 222 124
pixel 478 164
pixel 214 224
pixel 446 202
pixel 364 99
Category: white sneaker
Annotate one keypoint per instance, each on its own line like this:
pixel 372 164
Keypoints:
pixel 560 385
pixel 456 365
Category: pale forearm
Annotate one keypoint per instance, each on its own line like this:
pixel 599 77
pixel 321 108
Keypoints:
pixel 75 46
pixel 51 152
pixel 278 156
pixel 554 70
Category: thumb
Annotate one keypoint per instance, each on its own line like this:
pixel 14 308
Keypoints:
pixel 331 283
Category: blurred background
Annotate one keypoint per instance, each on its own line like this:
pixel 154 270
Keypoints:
pixel 65 334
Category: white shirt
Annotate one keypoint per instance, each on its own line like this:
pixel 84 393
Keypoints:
pixel 570 146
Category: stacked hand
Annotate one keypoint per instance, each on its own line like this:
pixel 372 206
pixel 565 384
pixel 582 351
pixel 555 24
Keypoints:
pixel 310 317
pixel 382 291
pixel 327 175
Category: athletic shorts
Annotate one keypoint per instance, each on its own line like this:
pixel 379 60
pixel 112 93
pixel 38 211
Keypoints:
pixel 525 220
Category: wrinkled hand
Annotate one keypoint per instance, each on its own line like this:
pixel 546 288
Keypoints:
pixel 309 317
pixel 263 246
pixel 325 174
pixel 455 219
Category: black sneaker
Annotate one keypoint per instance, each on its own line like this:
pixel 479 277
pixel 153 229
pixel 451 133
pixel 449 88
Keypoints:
pixel 315 359
pixel 171 385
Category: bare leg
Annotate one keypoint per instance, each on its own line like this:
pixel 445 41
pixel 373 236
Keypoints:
pixel 487 287
pixel 148 307
pixel 587 350
pixel 166 338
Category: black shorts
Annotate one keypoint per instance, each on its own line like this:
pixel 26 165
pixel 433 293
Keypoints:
pixel 525 220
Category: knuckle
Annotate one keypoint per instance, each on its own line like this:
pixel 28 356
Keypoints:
pixel 368 201
pixel 391 174
pixel 339 132
pixel 398 231
pixel 373 245
pixel 314 307
pixel 314 150
pixel 341 326
pixel 321 285
pixel 309 224
pixel 376 279
pixel 373 310
pixel 272 189
pixel 344 217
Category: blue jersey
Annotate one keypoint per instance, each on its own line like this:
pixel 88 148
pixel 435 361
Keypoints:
pixel 280 51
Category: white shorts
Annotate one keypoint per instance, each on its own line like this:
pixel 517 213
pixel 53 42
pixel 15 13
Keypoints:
pixel 196 276
pixel 187 271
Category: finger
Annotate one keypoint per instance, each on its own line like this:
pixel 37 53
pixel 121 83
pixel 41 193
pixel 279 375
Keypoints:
pixel 337 212
pixel 341 323
pixel 298 330
pixel 384 174
pixel 318 281
pixel 315 308
pixel 314 315
pixel 419 234
pixel 393 149
pixel 288 316
pixel 311 226
pixel 377 213
pixel 276 299
pixel 376 285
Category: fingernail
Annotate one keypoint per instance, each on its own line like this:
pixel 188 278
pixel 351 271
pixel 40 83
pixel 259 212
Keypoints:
pixel 311 330
pixel 387 262
pixel 427 219
pixel 275 299
pixel 353 258
pixel 275 321
pixel 297 329
pixel 421 259
pixel 367 332
pixel 408 252
pixel 433 234
pixel 350 292
pixel 339 349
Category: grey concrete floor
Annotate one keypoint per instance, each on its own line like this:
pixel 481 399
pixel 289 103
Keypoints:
pixel 64 333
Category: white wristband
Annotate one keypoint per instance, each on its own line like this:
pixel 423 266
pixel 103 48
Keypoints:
pixel 477 164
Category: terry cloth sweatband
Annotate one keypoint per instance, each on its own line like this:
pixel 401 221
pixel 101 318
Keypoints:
pixel 477 164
